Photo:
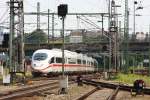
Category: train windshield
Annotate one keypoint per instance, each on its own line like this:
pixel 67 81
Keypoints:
pixel 40 56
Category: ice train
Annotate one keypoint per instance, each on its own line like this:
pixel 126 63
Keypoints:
pixel 45 61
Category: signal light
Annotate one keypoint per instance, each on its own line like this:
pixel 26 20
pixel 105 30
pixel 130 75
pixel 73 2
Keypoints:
pixel 5 41
pixel 62 10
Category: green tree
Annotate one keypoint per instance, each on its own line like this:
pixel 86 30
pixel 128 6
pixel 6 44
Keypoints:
pixel 37 36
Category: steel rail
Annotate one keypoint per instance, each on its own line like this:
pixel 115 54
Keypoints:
pixel 113 86
pixel 88 94
pixel 113 94
pixel 29 90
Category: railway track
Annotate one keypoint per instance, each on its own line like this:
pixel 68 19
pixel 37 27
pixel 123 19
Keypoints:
pixel 42 85
pixel 88 94
pixel 50 85
pixel 30 90
pixel 113 94
pixel 114 86
pixel 108 96
pixel 103 93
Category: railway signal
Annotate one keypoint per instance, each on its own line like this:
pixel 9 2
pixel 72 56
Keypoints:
pixel 62 11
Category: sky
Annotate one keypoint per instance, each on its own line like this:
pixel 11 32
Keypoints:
pixel 80 6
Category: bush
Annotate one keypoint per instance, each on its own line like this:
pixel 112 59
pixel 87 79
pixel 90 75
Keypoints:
pixel 130 78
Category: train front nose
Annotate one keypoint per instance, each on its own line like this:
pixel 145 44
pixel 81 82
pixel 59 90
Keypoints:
pixel 37 65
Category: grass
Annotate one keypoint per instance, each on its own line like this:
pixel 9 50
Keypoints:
pixel 28 74
pixel 130 78
pixel 1 77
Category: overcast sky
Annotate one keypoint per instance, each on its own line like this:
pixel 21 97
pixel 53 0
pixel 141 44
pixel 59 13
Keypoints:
pixel 79 6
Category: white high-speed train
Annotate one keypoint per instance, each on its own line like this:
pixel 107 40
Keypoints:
pixel 45 61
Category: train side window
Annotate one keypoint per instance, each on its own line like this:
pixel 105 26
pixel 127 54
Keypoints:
pixel 92 63
pixel 79 61
pixel 58 60
pixel 84 61
pixel 71 61
pixel 52 60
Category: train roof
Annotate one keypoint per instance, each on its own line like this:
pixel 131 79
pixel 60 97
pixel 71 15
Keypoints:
pixel 58 53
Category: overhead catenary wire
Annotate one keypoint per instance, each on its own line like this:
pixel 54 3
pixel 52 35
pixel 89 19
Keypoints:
pixel 88 22
pixel 4 14
pixel 96 27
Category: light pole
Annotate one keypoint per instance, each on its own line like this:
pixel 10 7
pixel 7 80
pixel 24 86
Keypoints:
pixel 135 8
pixel 149 50
pixel 135 3
pixel 48 27
pixel 110 53
pixel 62 11
pixel 63 56
pixel 139 7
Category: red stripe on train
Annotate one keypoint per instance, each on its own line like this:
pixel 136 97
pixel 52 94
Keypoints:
pixel 65 65
pixel 70 65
